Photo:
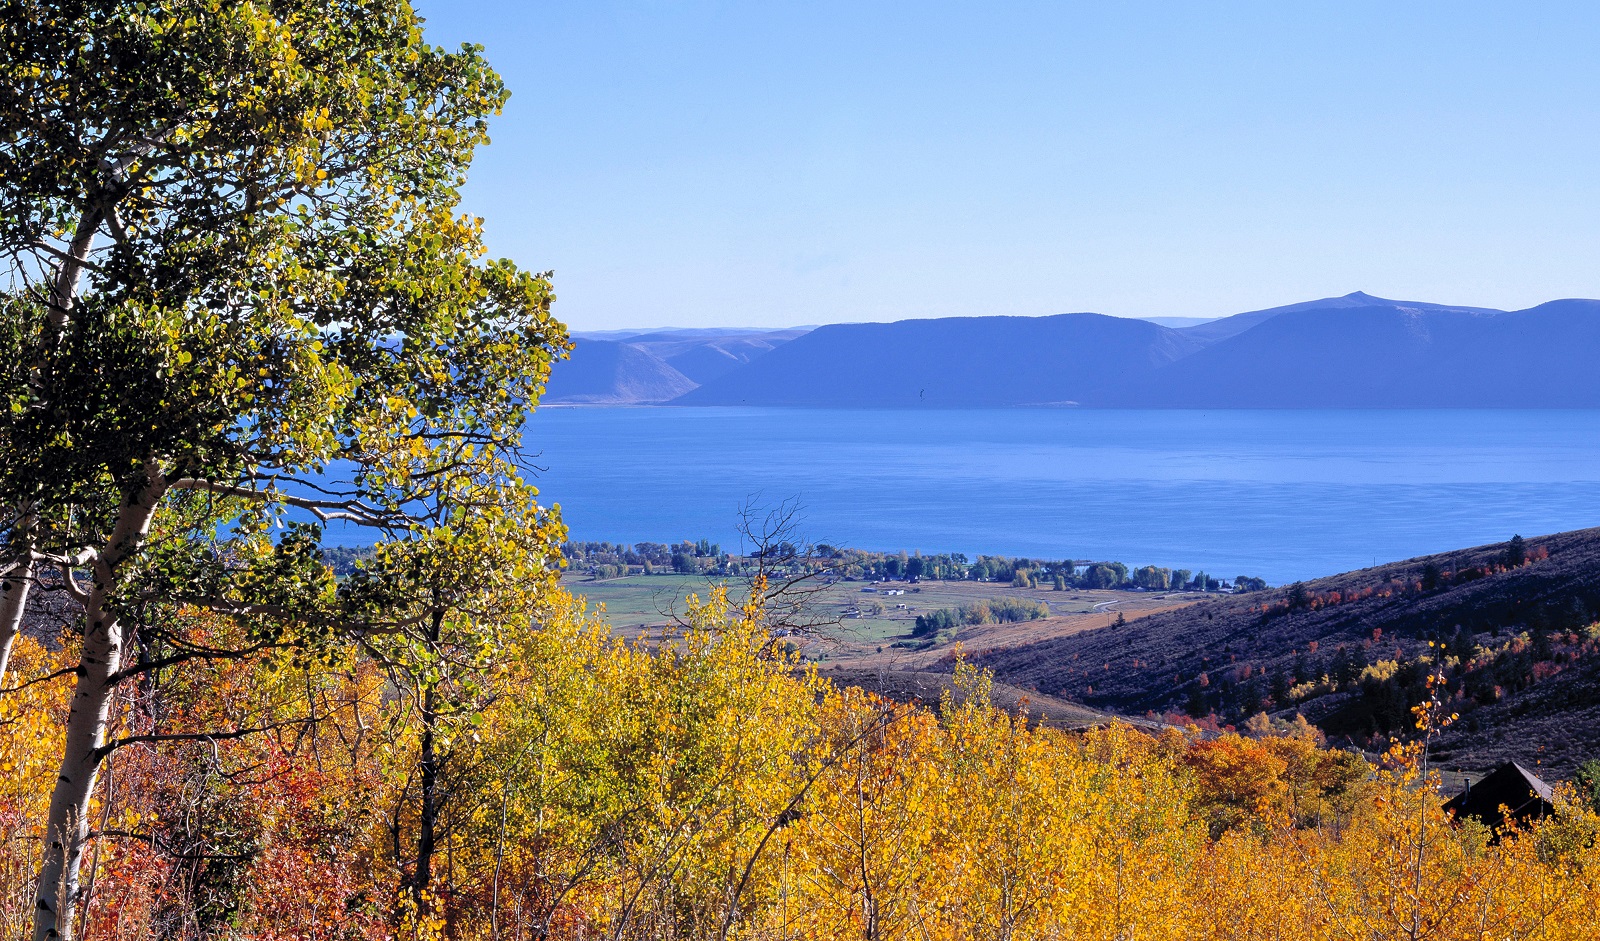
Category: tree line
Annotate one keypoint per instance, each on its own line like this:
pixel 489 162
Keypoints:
pixel 993 611
pixel 612 560
pixel 615 560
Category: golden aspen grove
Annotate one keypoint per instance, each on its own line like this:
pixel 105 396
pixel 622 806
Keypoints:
pixel 706 788
pixel 243 310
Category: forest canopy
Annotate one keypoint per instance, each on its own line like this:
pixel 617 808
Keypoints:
pixel 706 788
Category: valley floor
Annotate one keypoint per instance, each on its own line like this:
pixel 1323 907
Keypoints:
pixel 856 635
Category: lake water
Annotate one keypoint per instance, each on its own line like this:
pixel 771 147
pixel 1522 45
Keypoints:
pixel 1280 494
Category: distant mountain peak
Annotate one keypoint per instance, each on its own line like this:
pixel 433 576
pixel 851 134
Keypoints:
pixel 1353 299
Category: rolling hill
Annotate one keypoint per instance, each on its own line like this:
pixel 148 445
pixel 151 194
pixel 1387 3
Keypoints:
pixel 1345 651
pixel 1355 351
pixel 651 367
pixel 950 362
pixel 606 372
pixel 1386 355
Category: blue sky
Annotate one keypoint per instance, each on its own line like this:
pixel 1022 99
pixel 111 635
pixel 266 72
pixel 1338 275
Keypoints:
pixel 769 164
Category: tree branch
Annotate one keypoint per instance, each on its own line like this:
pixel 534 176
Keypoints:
pixel 56 675
pixel 194 654
pixel 212 737
pixel 353 511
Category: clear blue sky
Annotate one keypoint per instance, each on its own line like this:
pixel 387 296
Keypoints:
pixel 764 163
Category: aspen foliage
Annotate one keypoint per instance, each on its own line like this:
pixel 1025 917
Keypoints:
pixel 30 737
pixel 706 785
pixel 241 305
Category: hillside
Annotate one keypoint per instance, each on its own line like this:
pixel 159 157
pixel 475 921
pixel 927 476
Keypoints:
pixel 1344 652
pixel 1355 351
pixel 623 367
pixel 706 355
pixel 951 362
pixel 1225 327
pixel 606 372
pixel 927 688
pixel 1386 355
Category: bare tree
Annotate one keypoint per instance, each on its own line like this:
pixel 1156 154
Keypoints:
pixel 791 576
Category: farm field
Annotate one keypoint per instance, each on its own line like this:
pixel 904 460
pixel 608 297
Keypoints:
pixel 872 622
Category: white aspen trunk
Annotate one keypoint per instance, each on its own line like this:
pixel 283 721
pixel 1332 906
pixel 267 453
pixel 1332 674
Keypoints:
pixel 63 295
pixel 15 588
pixel 13 604
pixel 67 829
pixel 64 291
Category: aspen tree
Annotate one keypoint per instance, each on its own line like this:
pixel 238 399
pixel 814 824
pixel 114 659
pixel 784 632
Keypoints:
pixel 240 307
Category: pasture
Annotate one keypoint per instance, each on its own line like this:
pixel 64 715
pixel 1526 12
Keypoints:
pixel 869 624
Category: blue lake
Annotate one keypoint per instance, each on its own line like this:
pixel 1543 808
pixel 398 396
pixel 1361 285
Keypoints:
pixel 1280 494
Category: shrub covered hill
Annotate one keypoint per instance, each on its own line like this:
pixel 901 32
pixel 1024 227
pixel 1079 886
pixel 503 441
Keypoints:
pixel 1514 626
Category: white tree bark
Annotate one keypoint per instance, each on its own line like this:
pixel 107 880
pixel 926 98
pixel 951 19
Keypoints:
pixel 64 288
pixel 14 589
pixel 13 604
pixel 67 828
pixel 16 586
pixel 104 637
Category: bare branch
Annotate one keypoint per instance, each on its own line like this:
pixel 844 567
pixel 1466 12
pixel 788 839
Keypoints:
pixel 788 564
pixel 186 656
pixel 352 510
pixel 56 675
pixel 69 584
pixel 212 737
pixel 155 841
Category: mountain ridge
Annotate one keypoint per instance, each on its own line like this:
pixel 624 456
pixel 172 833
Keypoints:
pixel 1387 355
pixel 652 367
pixel 1353 351
pixel 931 362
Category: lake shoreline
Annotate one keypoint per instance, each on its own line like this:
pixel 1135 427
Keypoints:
pixel 1285 494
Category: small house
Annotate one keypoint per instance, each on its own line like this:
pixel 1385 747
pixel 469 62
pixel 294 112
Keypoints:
pixel 1509 791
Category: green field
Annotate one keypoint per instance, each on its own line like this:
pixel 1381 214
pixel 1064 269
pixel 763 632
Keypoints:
pixel 642 602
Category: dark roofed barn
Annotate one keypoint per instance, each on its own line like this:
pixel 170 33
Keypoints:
pixel 1512 787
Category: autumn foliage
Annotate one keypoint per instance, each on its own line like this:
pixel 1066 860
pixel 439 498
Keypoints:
pixel 240 298
pixel 705 787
